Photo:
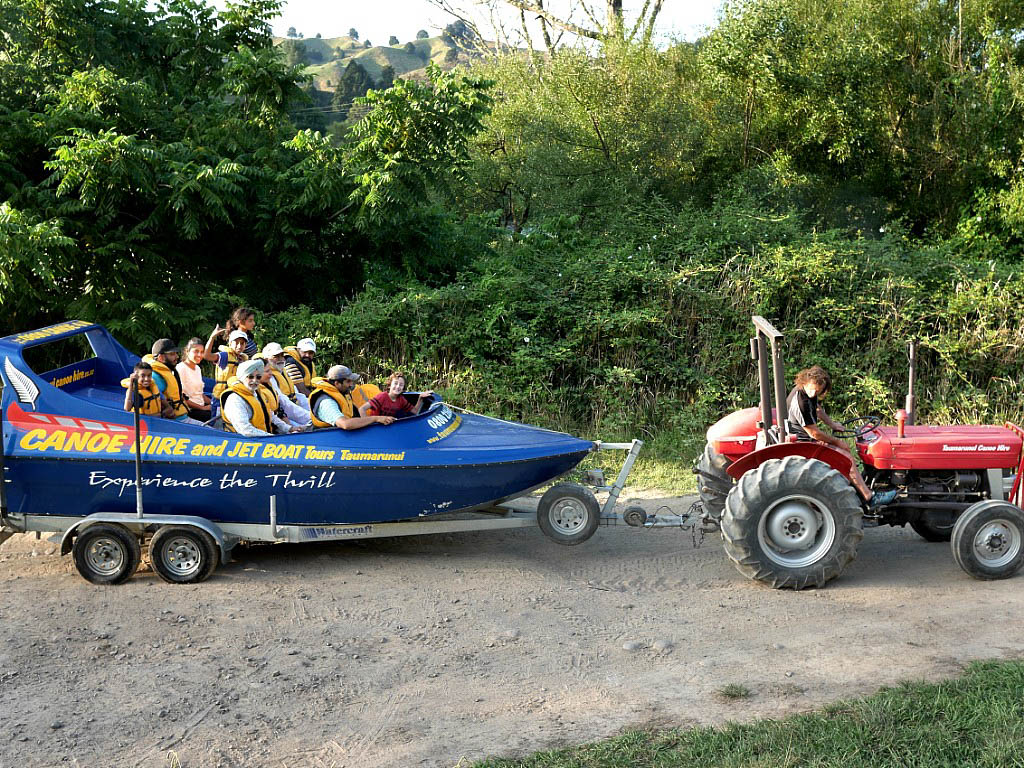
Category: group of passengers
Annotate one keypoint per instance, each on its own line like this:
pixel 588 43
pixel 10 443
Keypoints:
pixel 260 393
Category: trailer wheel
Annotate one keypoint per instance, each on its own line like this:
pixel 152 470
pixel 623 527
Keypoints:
pixel 929 530
pixel 106 554
pixel 988 540
pixel 182 554
pixel 568 514
pixel 713 482
pixel 792 523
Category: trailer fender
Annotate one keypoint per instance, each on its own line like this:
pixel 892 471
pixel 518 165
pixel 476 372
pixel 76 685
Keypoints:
pixel 149 522
pixel 840 462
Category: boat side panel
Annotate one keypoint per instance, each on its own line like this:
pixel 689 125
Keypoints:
pixel 241 494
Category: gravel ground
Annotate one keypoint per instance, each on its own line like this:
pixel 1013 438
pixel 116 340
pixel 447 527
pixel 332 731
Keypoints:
pixel 431 650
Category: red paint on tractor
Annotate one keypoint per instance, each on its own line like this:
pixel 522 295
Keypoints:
pixel 840 462
pixel 942 447
pixel 735 435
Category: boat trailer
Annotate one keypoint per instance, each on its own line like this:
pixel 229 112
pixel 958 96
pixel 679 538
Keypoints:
pixel 187 548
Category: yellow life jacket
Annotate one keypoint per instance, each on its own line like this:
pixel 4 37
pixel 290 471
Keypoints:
pixel 223 375
pixel 284 383
pixel 364 393
pixel 322 387
pixel 261 409
pixel 308 372
pixel 172 391
pixel 150 398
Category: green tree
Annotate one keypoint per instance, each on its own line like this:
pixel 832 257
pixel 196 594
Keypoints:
pixel 410 48
pixel 387 76
pixel 151 170
pixel 291 32
pixel 422 34
pixel 353 33
pixel 354 82
pixel 295 53
pixel 392 40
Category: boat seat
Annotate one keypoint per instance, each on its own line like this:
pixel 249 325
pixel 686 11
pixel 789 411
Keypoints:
pixel 109 396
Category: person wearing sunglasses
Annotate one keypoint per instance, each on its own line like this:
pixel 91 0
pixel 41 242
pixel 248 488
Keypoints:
pixel 248 407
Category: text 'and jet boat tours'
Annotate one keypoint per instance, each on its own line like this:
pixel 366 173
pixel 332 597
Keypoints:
pixel 70 466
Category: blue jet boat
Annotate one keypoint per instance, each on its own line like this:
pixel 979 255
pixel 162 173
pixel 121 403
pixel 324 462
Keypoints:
pixel 69 450
pixel 70 465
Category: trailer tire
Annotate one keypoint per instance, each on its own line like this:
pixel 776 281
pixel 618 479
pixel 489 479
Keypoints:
pixel 181 554
pixel 932 531
pixel 106 554
pixel 792 501
pixel 713 482
pixel 988 540
pixel 568 514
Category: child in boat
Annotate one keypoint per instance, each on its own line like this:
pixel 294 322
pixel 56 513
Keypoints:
pixel 244 319
pixel 196 400
pixel 391 401
pixel 227 358
pixel 148 399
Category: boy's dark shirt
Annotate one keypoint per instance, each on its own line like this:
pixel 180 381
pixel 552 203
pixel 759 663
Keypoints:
pixel 803 412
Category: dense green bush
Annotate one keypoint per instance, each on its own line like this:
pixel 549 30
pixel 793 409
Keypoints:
pixel 640 328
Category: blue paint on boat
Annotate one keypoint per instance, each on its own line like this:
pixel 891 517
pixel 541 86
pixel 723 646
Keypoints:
pixel 69 450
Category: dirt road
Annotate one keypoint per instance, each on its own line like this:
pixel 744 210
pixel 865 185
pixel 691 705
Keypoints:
pixel 428 650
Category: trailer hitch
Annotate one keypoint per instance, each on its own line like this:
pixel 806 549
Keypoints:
pixel 695 520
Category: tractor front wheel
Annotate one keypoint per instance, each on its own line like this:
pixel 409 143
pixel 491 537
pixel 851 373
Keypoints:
pixel 792 523
pixel 988 540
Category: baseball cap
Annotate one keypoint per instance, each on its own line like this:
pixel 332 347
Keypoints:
pixel 249 367
pixel 340 373
pixel 238 334
pixel 306 345
pixel 272 349
pixel 160 346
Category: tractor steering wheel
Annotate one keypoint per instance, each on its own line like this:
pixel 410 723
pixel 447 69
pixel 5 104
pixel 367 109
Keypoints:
pixel 865 425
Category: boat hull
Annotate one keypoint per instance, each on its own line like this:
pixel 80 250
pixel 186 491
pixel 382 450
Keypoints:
pixel 306 495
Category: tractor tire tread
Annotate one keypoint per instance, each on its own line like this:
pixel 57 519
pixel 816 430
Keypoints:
pixel 775 477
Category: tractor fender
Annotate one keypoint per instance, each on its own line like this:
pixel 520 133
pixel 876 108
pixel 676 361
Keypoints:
pixel 840 462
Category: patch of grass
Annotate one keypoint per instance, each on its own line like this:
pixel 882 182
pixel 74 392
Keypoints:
pixel 975 720
pixel 735 691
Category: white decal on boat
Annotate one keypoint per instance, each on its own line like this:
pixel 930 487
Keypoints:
pixel 27 391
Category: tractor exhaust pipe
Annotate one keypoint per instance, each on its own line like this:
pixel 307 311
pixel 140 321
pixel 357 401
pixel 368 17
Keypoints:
pixel 911 401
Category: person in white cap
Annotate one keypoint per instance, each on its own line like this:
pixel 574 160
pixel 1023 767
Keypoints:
pixel 332 405
pixel 274 357
pixel 227 358
pixel 282 386
pixel 300 366
pixel 248 408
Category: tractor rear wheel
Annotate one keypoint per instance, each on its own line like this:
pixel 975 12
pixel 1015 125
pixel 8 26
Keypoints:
pixel 792 523
pixel 713 482
pixel 988 540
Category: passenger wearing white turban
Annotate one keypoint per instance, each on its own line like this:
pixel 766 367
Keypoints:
pixel 240 413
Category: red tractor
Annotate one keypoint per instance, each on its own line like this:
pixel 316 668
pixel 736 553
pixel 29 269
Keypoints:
pixel 791 518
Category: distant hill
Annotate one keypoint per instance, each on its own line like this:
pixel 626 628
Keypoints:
pixel 327 57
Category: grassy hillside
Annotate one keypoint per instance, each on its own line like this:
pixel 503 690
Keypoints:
pixel 329 56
